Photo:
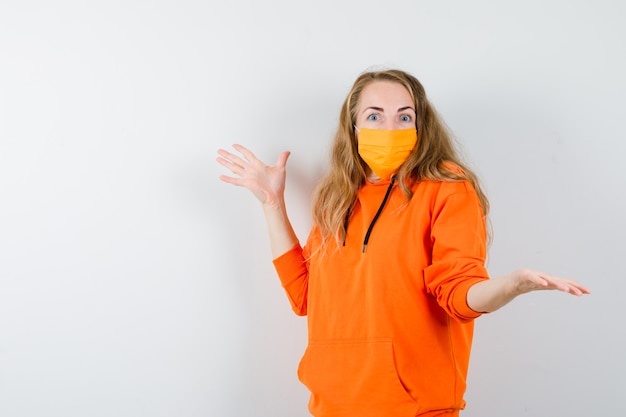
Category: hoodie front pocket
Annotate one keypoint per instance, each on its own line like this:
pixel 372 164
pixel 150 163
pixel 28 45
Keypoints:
pixel 347 376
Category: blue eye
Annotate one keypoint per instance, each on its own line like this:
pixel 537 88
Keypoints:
pixel 405 118
pixel 373 117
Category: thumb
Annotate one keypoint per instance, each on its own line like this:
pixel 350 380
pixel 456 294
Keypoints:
pixel 282 159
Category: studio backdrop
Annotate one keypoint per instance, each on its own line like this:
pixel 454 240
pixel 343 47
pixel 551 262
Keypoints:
pixel 134 283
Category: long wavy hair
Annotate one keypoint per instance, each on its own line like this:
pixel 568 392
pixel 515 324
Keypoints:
pixel 434 158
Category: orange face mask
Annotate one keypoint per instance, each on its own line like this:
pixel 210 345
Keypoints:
pixel 385 150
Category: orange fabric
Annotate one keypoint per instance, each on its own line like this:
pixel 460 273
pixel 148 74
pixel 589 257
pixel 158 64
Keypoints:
pixel 390 330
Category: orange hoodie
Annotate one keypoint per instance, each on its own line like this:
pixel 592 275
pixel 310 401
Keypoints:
pixel 389 327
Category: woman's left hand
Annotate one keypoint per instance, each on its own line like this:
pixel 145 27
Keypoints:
pixel 490 295
pixel 526 280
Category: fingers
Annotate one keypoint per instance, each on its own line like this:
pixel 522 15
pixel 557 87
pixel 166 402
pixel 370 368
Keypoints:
pixel 231 180
pixel 234 163
pixel 577 286
pixel 563 284
pixel 576 289
pixel 230 160
pixel 529 280
pixel 250 157
pixel 237 164
pixel 583 289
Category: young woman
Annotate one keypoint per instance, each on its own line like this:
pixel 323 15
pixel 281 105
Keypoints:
pixel 392 274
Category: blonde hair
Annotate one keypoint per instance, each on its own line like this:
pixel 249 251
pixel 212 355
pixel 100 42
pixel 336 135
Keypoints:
pixel 434 158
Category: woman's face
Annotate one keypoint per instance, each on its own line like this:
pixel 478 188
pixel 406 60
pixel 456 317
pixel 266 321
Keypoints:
pixel 385 105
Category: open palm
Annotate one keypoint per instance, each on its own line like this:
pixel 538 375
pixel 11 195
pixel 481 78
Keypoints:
pixel 266 182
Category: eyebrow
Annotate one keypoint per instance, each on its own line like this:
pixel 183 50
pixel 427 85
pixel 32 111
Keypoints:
pixel 381 109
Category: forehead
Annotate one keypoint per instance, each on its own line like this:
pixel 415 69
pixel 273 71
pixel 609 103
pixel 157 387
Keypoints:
pixel 385 94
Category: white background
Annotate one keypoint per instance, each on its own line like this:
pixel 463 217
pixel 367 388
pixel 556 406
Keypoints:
pixel 134 283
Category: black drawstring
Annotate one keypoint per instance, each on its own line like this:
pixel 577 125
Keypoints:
pixel 369 229
pixel 380 210
pixel 345 225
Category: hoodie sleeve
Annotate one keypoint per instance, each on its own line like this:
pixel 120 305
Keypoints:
pixel 458 237
pixel 292 269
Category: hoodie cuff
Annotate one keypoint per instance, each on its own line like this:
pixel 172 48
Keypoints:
pixel 290 265
pixel 463 310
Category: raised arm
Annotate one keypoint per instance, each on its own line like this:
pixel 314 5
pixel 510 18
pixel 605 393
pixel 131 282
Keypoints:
pixel 267 183
pixel 490 295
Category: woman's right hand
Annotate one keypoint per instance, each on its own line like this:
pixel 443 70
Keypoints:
pixel 266 182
